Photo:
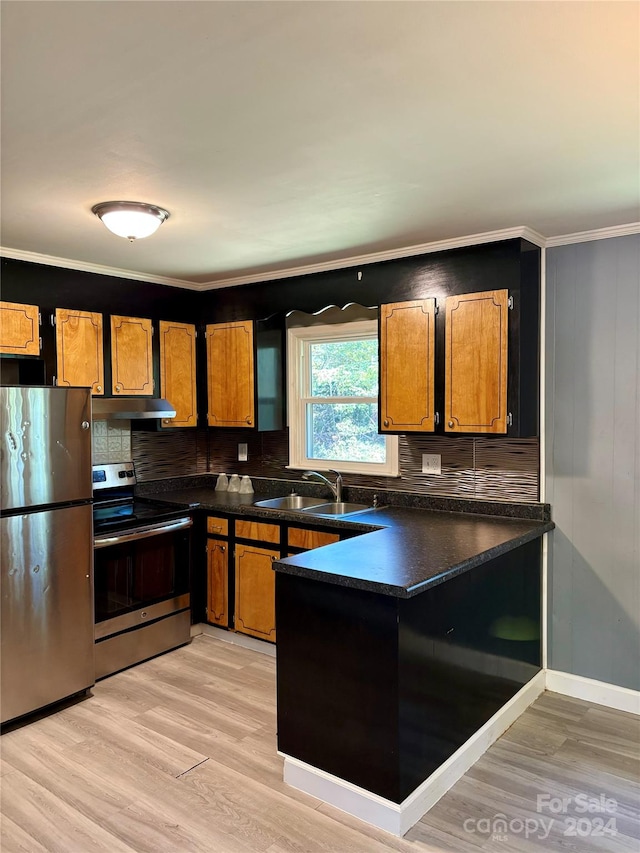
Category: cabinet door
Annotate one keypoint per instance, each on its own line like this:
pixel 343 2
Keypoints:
pixel 131 356
pixel 407 351
pixel 476 362
pixel 230 374
pixel 79 351
pixel 218 582
pixel 255 591
pixel 19 332
pixel 178 372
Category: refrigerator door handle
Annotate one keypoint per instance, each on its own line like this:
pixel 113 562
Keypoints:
pixel 142 533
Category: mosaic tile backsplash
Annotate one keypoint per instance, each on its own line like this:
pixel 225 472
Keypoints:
pixel 482 468
pixel 110 442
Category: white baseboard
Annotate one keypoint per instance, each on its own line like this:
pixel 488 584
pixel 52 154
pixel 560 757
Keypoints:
pixel 399 818
pixel 235 639
pixel 598 692
pixel 349 798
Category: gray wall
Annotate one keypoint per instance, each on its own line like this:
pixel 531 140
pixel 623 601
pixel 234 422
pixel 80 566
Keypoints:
pixel 593 458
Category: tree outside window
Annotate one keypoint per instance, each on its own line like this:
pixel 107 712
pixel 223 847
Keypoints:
pixel 333 400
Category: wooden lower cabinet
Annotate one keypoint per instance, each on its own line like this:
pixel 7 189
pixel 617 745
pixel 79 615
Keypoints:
pixel 218 582
pixel 217 526
pixel 251 587
pixel 255 591
pixel 258 530
pixel 301 537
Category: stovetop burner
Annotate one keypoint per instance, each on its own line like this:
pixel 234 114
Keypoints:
pixel 115 507
pixel 131 513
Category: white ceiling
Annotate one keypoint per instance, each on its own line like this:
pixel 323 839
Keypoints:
pixel 281 134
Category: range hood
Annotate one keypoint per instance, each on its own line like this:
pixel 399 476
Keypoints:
pixel 131 408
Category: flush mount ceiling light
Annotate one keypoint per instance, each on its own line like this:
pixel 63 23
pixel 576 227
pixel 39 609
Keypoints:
pixel 131 219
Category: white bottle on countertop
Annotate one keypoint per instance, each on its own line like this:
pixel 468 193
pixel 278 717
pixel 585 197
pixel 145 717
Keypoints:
pixel 234 483
pixel 246 487
pixel 222 484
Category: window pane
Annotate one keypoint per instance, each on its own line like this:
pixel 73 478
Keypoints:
pixel 344 368
pixel 344 431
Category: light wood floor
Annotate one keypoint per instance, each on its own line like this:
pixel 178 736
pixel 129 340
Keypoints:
pixel 179 754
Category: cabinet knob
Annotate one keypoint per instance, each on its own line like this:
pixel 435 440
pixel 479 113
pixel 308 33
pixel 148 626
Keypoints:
pixel 98 387
pixel 249 420
pixel 222 548
pixel 118 388
pixel 386 423
pixel 450 424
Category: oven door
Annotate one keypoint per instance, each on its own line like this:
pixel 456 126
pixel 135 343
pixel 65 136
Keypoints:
pixel 147 568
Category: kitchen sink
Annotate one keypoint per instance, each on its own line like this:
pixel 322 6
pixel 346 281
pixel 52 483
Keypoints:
pixel 313 506
pixel 336 509
pixel 294 502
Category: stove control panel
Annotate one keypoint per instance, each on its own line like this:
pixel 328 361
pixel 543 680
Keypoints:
pixel 113 475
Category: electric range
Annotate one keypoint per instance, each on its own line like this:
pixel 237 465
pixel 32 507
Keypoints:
pixel 142 571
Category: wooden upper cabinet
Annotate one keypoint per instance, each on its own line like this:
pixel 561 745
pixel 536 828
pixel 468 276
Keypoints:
pixel 178 372
pixel 79 350
pixel 477 326
pixel 231 374
pixel 407 352
pixel 131 356
pixel 19 332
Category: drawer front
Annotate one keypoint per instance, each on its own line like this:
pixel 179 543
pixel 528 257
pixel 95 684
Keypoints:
pixel 301 538
pixel 217 526
pixel 257 530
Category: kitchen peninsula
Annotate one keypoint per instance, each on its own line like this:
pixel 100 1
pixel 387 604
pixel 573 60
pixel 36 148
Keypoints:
pixel 396 645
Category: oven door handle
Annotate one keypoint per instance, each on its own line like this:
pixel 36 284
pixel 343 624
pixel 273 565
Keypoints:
pixel 142 533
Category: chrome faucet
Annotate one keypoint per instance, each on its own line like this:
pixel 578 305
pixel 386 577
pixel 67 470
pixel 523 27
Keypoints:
pixel 336 490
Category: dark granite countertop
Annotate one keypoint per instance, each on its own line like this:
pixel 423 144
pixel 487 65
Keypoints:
pixel 401 552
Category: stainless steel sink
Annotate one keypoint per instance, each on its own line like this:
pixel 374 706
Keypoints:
pixel 294 502
pixel 336 508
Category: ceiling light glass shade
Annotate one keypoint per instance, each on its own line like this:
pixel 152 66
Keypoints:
pixel 130 219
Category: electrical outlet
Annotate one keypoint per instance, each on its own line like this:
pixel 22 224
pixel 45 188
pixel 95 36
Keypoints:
pixel 431 463
pixel 243 452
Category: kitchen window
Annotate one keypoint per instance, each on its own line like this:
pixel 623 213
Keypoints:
pixel 333 400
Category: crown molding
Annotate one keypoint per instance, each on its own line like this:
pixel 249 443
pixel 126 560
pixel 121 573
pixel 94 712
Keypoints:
pixel 99 269
pixel 375 257
pixel 305 269
pixel 596 234
pixel 521 231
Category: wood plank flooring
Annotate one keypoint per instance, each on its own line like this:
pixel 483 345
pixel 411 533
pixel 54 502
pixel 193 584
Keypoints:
pixel 179 755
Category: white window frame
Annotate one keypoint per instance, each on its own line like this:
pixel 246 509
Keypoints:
pixel 299 340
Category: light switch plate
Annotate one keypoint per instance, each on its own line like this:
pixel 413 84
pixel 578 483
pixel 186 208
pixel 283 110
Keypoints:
pixel 431 463
pixel 243 452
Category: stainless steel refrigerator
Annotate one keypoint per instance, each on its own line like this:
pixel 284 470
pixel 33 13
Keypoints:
pixel 46 547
